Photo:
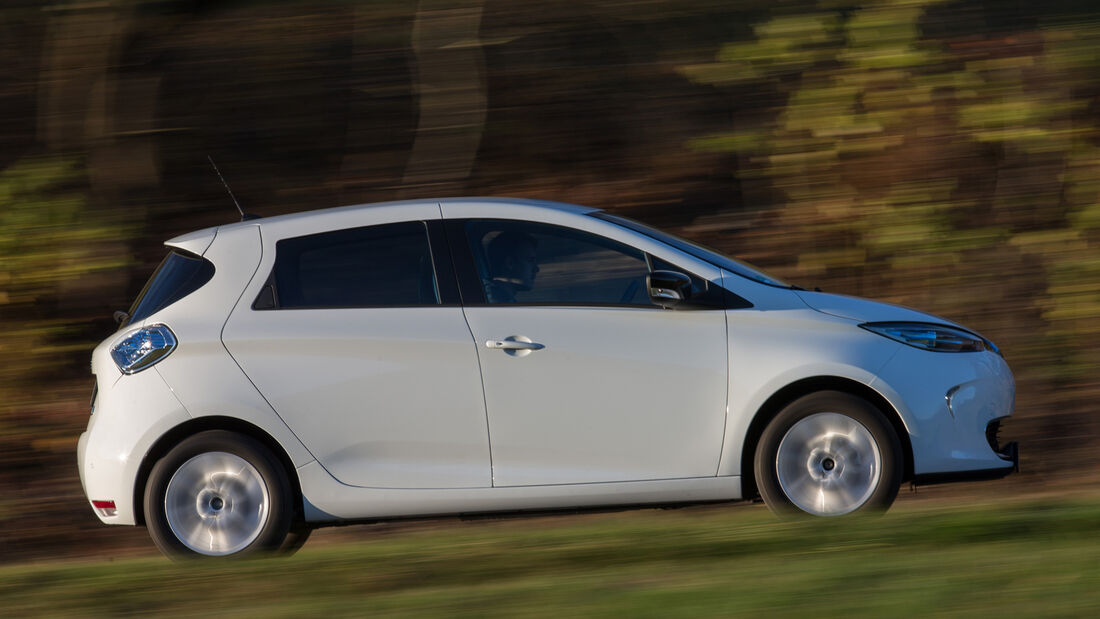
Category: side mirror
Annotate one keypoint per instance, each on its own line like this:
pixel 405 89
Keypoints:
pixel 120 317
pixel 668 288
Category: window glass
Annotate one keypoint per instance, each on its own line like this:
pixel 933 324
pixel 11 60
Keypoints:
pixel 694 249
pixel 524 262
pixel 178 275
pixel 389 265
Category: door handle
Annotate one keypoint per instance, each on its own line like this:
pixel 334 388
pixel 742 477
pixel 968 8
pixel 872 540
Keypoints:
pixel 513 345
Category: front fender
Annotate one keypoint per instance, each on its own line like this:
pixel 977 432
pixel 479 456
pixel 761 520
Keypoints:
pixel 771 350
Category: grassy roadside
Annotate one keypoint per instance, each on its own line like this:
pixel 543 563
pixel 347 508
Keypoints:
pixel 1027 559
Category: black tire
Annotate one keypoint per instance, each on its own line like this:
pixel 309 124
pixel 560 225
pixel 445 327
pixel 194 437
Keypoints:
pixel 295 539
pixel 828 453
pixel 218 493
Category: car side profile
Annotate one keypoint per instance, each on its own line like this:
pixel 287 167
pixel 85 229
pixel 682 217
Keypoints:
pixel 462 356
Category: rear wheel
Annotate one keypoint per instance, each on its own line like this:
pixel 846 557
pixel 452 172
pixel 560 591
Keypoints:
pixel 827 454
pixel 218 494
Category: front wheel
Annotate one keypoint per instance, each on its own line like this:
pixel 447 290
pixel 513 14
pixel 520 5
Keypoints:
pixel 827 454
pixel 218 494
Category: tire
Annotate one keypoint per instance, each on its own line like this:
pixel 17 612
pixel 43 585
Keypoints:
pixel 295 539
pixel 218 493
pixel 828 454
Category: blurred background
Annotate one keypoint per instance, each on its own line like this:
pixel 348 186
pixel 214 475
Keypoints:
pixel 939 154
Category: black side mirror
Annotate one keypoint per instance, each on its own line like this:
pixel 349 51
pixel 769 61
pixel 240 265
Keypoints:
pixel 120 317
pixel 668 288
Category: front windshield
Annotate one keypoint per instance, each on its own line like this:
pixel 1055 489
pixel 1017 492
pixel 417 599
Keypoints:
pixel 694 249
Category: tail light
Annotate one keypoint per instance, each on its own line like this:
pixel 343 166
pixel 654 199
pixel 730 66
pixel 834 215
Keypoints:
pixel 143 348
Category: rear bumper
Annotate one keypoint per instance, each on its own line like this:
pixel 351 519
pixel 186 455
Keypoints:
pixel 130 415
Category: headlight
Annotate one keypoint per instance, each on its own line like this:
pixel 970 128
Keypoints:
pixel 143 348
pixel 928 336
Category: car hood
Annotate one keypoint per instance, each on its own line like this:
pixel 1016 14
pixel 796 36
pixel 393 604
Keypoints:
pixel 864 310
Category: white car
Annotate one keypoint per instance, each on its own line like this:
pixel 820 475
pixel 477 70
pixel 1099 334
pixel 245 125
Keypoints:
pixel 461 356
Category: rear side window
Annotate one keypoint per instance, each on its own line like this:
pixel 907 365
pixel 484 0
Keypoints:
pixel 377 266
pixel 178 275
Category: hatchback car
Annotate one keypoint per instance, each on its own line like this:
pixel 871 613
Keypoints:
pixel 462 356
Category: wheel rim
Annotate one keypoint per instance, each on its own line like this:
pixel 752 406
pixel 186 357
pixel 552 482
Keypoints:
pixel 828 464
pixel 216 503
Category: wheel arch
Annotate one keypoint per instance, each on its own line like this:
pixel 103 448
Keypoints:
pixel 202 424
pixel 806 386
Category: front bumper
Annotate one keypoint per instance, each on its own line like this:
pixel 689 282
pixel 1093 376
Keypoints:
pixel 951 405
pixel 1009 452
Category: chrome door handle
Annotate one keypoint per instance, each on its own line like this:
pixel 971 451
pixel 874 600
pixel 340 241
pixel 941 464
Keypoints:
pixel 513 345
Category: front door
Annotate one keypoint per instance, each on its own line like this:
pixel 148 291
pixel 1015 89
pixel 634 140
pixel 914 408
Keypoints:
pixel 585 379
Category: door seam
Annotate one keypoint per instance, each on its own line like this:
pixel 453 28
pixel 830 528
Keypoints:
pixel 477 353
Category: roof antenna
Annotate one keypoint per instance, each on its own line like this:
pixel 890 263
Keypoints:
pixel 244 216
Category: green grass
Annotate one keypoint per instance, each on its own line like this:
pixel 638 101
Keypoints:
pixel 1020 559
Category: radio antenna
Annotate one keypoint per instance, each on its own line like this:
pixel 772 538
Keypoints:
pixel 244 216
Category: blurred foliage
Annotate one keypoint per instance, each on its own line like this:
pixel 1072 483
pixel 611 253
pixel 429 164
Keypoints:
pixel 44 244
pixel 47 248
pixel 942 162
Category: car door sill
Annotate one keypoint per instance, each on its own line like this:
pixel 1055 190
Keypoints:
pixel 326 499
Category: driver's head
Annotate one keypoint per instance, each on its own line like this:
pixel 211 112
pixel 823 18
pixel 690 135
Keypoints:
pixel 512 259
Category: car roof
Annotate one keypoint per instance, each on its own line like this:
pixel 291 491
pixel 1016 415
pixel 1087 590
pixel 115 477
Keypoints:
pixel 197 241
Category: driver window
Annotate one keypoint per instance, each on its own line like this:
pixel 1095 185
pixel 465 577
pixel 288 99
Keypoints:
pixel 532 263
